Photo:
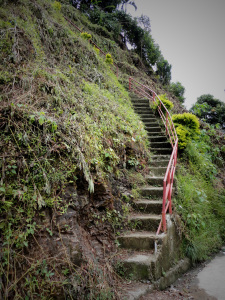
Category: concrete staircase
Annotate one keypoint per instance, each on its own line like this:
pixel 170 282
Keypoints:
pixel 144 258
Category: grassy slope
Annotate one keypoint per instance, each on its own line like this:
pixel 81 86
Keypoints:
pixel 67 127
pixel 67 121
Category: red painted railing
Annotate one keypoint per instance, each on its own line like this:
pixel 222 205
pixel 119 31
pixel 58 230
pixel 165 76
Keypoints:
pixel 144 91
pixel 91 42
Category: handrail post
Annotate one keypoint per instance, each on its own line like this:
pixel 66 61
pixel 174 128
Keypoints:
pixel 170 192
pixel 167 123
pixel 164 207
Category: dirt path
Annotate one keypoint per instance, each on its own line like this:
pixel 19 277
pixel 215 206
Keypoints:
pixel 200 283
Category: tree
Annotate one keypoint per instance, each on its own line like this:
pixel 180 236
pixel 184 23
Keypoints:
pixel 210 110
pixel 164 70
pixel 178 90
pixel 135 31
pixel 144 22
pixel 105 5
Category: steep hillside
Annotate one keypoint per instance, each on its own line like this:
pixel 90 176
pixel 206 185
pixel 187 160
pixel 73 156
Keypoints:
pixel 69 142
pixel 72 153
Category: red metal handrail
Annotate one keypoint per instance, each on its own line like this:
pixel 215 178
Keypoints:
pixel 91 42
pixel 144 91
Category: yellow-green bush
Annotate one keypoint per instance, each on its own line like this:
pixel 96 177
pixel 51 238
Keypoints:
pixel 57 5
pixel 86 35
pixel 108 59
pixel 96 50
pixel 168 104
pixel 187 127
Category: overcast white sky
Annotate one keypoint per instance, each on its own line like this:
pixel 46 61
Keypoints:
pixel 191 36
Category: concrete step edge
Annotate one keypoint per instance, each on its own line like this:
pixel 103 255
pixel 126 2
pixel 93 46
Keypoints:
pixel 144 217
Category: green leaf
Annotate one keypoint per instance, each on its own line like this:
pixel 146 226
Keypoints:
pixel 32 118
pixel 2 189
pixel 41 120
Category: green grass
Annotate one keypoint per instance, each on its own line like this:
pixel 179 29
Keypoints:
pixel 200 201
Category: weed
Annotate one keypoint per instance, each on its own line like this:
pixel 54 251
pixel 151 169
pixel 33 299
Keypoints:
pixel 196 202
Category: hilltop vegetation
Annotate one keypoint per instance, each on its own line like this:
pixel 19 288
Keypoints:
pixel 72 150
pixel 210 110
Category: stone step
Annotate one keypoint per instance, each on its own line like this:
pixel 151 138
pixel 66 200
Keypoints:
pixel 157 138
pixel 149 125
pixel 139 240
pixel 150 116
pixel 148 206
pixel 149 222
pixel 159 157
pixel 150 133
pixel 147 115
pixel 157 171
pixel 160 163
pixel 135 97
pixel 140 104
pixel 152 192
pixel 151 129
pixel 162 151
pixel 156 180
pixel 144 109
pixel 148 119
pixel 136 290
pixel 141 111
pixel 161 145
pixel 138 266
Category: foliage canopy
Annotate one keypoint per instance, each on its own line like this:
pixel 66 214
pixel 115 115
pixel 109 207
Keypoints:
pixel 178 90
pixel 210 110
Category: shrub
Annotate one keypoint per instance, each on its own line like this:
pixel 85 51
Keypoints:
pixel 187 119
pixel 168 104
pixel 183 136
pixel 108 59
pixel 57 5
pixel 187 127
pixel 86 35
pixel 96 50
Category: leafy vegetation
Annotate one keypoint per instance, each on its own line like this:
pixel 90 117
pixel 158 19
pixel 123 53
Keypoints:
pixel 67 129
pixel 164 70
pixel 134 32
pixel 200 200
pixel 73 152
pixel 108 59
pixel 178 90
pixel 86 35
pixel 210 110
pixel 167 103
pixel 187 128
